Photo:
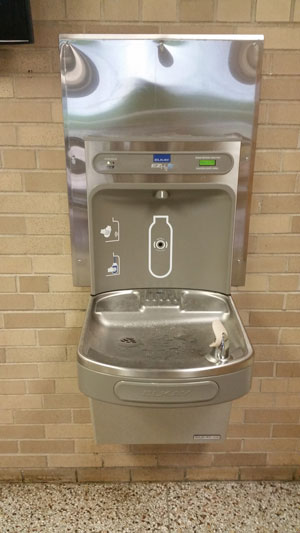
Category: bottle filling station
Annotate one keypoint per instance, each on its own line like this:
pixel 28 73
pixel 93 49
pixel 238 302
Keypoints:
pixel 160 138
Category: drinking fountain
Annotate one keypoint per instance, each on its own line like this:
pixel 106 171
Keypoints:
pixel 163 351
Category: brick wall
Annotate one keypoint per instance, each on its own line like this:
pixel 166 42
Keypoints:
pixel 45 422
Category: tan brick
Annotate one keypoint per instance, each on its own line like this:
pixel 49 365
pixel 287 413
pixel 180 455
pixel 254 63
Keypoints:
pixel 22 461
pixel 31 244
pixel 294 264
pixel 73 460
pixel 249 430
pixel 89 446
pixel 49 475
pixel 157 11
pixel 22 432
pixel 58 337
pixel 281 203
pixel 52 416
pixel 10 475
pixel 176 459
pixel 12 225
pixel 57 112
pixel 47 9
pixel 15 265
pixel 49 135
pixel 52 265
pixel 35 354
pixel 267 161
pixel 19 158
pixel 266 474
pixel 287 113
pixel 263 335
pixel 297 11
pixel 47 225
pixel 128 460
pixel 103 475
pixel 284 283
pixel 293 301
pixel 8 446
pixel 9 371
pixel 282 459
pixel 267 11
pixel 47 446
pixel 212 474
pixel 293 385
pixel 234 10
pixel 6 416
pixel 62 301
pixel 65 401
pixel 46 181
pixel 69 431
pixel 6 88
pixel 66 386
pixel 274 183
pixel 38 87
pixel 291 370
pixel 90 10
pixel 291 161
pixel 34 284
pixel 10 181
pixel 192 10
pixel 34 320
pixel 26 60
pixel 263 416
pixel 270 224
pixel 258 301
pixel 240 459
pixel 8 135
pixel 261 263
pixel 277 137
pixel 157 474
pixel 93 27
pixel 82 416
pixel 256 400
pixel 64 284
pixel 121 10
pixel 21 402
pixel 40 386
pixel 52 159
pixel 263 369
pixel 255 282
pixel 280 88
pixel 12 387
pixel 16 301
pixel 8 284
pixel 276 37
pixel 277 244
pixel 274 318
pixel 57 370
pixel 287 400
pixel 74 319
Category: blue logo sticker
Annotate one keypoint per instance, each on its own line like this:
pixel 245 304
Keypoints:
pixel 161 158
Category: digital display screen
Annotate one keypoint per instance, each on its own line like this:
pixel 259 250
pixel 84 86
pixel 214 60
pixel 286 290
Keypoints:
pixel 207 162
pixel 161 158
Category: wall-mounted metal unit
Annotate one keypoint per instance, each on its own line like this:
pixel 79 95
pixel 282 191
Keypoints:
pixel 173 87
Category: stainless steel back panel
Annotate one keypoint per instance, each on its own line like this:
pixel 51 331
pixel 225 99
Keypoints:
pixel 149 86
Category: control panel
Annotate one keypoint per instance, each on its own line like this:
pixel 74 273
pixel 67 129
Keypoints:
pixel 162 162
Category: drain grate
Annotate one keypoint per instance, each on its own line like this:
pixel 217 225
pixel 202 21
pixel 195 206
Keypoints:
pixel 128 340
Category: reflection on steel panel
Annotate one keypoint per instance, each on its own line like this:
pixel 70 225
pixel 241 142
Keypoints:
pixel 177 88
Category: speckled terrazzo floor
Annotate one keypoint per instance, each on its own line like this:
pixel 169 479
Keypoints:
pixel 223 507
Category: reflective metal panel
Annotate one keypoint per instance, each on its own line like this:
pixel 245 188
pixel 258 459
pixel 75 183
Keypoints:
pixel 180 88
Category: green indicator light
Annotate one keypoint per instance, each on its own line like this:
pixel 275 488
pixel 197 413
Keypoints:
pixel 207 162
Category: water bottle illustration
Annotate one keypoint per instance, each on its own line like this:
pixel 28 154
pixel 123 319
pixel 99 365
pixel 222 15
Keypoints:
pixel 160 247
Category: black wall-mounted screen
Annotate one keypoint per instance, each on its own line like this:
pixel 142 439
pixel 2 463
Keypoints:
pixel 15 22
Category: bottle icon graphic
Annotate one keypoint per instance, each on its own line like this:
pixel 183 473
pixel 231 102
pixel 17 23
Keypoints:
pixel 160 247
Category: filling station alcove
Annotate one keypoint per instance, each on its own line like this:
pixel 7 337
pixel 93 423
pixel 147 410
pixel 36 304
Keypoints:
pixel 159 141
